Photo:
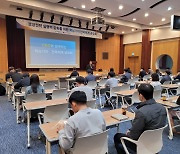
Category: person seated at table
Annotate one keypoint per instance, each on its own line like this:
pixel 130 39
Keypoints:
pixel 112 81
pixel 17 76
pixel 85 122
pixel 111 70
pixel 149 115
pixel 90 76
pixel 74 73
pixel 177 77
pixel 155 80
pixel 24 82
pixel 166 77
pixel 10 73
pixel 150 71
pixel 142 73
pixel 35 86
pixel 158 72
pixel 129 70
pixel 126 76
pixel 80 83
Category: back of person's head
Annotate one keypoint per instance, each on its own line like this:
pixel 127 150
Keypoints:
pixel 34 82
pixel 168 72
pixel 26 75
pixel 111 70
pixel 155 77
pixel 78 97
pixel 111 74
pixel 146 90
pixel 126 70
pixel 89 71
pixel 80 80
pixel 10 69
pixel 157 71
pixel 18 70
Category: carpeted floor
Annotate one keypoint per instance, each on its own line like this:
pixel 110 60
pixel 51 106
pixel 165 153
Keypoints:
pixel 13 136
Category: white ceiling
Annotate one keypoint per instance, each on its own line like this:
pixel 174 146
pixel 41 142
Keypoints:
pixel 72 8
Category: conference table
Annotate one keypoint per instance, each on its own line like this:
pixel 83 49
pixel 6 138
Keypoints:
pixel 124 93
pixel 169 104
pixel 30 106
pixel 50 129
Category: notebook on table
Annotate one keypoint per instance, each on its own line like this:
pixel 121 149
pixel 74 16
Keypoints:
pixel 119 117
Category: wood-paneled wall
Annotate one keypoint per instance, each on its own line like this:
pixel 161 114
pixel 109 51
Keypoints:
pixel 169 47
pixel 3 48
pixel 134 63
pixel 112 46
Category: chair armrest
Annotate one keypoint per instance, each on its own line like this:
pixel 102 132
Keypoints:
pixel 124 145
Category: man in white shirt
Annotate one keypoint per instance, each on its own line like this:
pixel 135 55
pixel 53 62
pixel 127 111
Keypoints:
pixel 85 122
pixel 112 81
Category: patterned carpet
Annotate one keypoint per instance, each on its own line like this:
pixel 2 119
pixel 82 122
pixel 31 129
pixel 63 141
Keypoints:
pixel 13 136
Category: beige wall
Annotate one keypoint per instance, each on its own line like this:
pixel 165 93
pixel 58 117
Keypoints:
pixel 3 48
pixel 132 38
pixel 134 63
pixel 112 46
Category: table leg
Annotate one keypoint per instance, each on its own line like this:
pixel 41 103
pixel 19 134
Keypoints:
pixel 100 101
pixel 28 128
pixel 167 92
pixel 170 127
pixel 17 109
pixel 48 147
pixel 117 100
pixel 14 101
pixel 122 100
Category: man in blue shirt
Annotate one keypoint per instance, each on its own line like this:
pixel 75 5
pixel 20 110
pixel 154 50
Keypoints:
pixel 90 76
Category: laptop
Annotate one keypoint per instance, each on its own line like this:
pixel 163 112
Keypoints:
pixel 119 117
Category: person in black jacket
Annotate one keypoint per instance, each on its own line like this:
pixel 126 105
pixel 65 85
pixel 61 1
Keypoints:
pixel 149 116
pixel 142 73
pixel 177 77
pixel 74 73
pixel 17 76
pixel 24 82
pixel 90 66
pixel 166 77
pixel 11 71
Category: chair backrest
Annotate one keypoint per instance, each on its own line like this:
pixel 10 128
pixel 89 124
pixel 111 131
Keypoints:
pixel 56 113
pixel 63 84
pixel 167 82
pixel 55 82
pixel 36 97
pixel 125 86
pixel 135 97
pixel 60 94
pixel 102 82
pixel 150 141
pixel 91 104
pixel 42 82
pixel 147 77
pixel 157 94
pixel 92 84
pixel 23 89
pixel 95 144
pixel 178 91
pixel 157 87
pixel 115 89
pixel 49 86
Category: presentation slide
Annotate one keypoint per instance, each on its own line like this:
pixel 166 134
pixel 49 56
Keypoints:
pixel 45 50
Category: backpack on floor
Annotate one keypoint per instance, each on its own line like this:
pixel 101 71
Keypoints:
pixel 2 90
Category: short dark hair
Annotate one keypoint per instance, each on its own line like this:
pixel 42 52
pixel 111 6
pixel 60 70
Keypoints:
pixel 79 97
pixel 168 72
pixel 126 70
pixel 26 75
pixel 10 68
pixel 111 69
pixel 146 90
pixel 157 71
pixel 111 74
pixel 74 68
pixel 89 71
pixel 155 77
pixel 18 70
pixel 80 80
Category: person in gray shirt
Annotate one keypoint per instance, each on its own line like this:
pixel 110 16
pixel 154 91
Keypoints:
pixel 90 76
pixel 85 122
pixel 80 83
pixel 112 81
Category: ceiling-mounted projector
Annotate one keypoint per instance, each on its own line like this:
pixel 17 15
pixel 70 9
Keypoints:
pixel 98 21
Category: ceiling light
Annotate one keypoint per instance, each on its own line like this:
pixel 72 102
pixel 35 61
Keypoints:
pixel 122 32
pixel 150 23
pixel 93 0
pixel 146 14
pixel 121 7
pixel 109 13
pixel 83 6
pixel 134 19
pixel 132 30
pixel 163 19
pixel 169 8
pixel 143 0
